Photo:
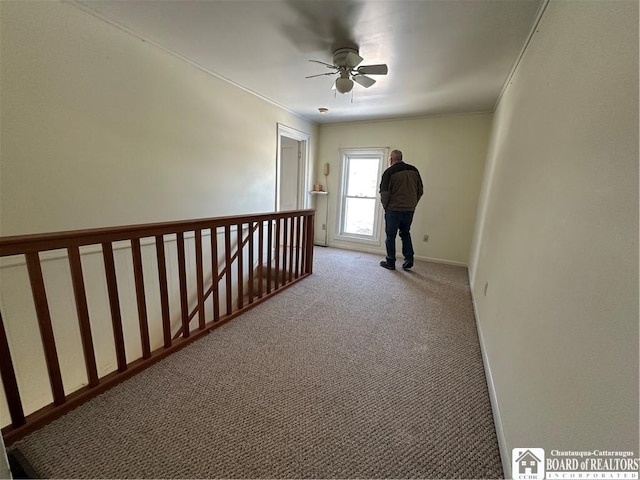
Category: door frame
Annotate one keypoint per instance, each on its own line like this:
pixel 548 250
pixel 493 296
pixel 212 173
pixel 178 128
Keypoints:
pixel 304 177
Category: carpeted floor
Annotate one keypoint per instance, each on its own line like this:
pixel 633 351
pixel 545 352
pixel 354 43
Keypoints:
pixel 355 372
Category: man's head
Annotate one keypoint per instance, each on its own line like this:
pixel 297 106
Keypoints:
pixel 395 157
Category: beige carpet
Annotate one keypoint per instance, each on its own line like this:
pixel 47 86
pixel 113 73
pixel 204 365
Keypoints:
pixel 355 372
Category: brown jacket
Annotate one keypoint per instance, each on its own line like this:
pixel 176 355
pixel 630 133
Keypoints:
pixel 401 187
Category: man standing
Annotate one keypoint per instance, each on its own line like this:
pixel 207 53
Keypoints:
pixel 400 190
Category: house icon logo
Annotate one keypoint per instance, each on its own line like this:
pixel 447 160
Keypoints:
pixel 527 463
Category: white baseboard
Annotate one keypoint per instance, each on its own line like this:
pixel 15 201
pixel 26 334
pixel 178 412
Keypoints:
pixel 505 455
pixel 441 260
pixel 378 251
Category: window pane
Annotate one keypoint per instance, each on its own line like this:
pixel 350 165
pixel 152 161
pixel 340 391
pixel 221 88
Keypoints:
pixel 359 207
pixel 359 215
pixel 362 178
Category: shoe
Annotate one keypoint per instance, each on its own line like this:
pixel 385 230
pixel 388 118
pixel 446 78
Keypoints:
pixel 407 265
pixel 386 265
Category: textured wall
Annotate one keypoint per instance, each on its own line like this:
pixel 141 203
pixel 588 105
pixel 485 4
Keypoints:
pixel 557 235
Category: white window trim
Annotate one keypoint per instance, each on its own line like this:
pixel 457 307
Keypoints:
pixel 345 153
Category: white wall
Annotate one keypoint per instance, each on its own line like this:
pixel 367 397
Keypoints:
pixel 449 152
pixel 557 235
pixel 100 129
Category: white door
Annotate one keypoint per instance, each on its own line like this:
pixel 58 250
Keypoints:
pixel 289 174
pixel 293 169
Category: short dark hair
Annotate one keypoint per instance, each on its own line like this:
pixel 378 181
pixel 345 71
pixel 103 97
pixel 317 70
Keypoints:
pixel 396 155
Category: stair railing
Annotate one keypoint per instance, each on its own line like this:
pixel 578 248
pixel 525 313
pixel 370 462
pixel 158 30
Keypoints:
pixel 275 246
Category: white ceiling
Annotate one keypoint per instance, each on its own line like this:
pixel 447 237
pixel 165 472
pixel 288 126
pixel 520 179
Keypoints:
pixel 444 56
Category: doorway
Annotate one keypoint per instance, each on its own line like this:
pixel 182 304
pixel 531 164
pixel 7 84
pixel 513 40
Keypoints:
pixel 292 169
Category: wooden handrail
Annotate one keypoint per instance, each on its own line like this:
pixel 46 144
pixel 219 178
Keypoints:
pixel 289 247
pixel 41 242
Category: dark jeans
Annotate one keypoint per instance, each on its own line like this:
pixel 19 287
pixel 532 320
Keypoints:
pixel 395 221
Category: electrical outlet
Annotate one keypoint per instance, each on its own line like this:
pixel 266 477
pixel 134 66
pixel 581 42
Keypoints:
pixel 324 226
pixel 425 238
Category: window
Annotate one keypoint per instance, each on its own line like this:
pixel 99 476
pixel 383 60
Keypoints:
pixel 359 204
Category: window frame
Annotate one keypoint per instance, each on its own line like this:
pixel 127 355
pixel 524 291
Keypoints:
pixel 382 153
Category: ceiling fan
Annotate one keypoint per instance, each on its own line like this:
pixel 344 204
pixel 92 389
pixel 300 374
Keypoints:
pixel 345 61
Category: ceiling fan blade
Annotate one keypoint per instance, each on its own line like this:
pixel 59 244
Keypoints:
pixel 323 63
pixel 363 80
pixel 321 74
pixel 353 59
pixel 381 69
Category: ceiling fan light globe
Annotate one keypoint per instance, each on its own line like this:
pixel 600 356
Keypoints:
pixel 344 85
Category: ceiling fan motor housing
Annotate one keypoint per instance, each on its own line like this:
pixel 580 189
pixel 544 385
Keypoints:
pixel 346 57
